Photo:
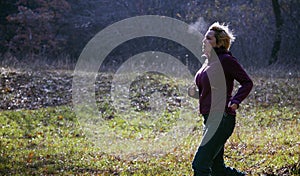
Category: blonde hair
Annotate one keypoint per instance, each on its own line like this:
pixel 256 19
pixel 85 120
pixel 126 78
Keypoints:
pixel 224 36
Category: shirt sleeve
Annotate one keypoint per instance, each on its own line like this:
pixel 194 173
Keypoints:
pixel 237 72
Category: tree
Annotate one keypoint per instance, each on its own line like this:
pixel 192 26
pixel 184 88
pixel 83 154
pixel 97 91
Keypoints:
pixel 277 41
pixel 36 27
pixel 6 8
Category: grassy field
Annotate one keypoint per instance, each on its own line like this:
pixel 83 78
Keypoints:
pixel 52 141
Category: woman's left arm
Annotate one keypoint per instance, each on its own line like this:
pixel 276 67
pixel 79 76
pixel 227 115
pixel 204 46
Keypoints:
pixel 239 74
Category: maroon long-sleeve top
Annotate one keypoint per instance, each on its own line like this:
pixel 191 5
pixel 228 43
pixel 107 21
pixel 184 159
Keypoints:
pixel 232 71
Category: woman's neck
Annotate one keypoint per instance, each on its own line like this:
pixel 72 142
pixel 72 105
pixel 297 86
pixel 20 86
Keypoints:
pixel 219 50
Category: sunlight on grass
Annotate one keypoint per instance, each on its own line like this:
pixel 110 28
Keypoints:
pixel 51 141
pixel 143 141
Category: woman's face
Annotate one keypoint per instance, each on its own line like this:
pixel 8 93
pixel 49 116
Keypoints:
pixel 209 41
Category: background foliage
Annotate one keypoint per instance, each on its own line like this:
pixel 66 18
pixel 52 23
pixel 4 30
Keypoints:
pixel 43 28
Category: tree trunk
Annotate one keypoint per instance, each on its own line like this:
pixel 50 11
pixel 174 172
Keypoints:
pixel 277 41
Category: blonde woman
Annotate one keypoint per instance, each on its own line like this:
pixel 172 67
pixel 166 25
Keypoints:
pixel 208 159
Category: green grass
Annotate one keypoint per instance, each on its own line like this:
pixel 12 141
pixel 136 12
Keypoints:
pixel 55 141
pixel 51 141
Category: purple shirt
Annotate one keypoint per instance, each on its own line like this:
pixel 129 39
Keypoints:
pixel 232 71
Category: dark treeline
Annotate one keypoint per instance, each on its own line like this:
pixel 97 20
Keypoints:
pixel 267 31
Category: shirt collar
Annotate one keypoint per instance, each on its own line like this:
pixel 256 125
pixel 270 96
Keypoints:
pixel 222 50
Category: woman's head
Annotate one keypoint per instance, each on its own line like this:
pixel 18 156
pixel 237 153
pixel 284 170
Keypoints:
pixel 218 35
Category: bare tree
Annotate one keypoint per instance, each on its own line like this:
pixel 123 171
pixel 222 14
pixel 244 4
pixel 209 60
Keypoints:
pixel 277 41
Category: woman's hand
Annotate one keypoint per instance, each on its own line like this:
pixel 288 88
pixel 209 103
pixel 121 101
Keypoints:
pixel 193 91
pixel 233 106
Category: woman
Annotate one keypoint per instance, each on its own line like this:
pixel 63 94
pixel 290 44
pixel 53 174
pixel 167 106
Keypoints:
pixel 209 157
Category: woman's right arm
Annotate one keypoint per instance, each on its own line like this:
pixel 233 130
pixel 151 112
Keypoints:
pixel 193 90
